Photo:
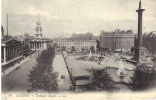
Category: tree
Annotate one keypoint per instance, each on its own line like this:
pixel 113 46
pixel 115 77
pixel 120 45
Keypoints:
pixel 42 76
pixel 92 49
pixel 55 45
pixel 82 49
pixel 98 45
pixel 63 48
pixel 143 78
pixel 102 80
pixel 72 48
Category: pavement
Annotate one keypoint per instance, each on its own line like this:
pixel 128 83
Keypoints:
pixel 80 67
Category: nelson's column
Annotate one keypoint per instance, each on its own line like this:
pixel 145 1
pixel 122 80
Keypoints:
pixel 140 51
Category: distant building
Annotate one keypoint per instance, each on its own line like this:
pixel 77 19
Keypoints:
pixel 87 36
pixel 79 45
pixel 149 41
pixel 117 40
pixel 77 42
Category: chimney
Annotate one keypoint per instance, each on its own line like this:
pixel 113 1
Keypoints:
pixel 7 26
pixel 2 30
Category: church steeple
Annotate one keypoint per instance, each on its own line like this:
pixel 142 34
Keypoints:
pixel 38 17
pixel 38 28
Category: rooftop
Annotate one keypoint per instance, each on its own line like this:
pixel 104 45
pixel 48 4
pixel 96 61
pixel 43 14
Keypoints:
pixel 118 31
pixel 76 39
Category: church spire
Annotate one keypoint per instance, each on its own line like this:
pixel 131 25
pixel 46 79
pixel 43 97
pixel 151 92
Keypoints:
pixel 7 25
pixel 38 17
pixel 38 28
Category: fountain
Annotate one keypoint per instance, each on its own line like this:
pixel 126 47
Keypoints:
pixel 90 54
pixel 121 70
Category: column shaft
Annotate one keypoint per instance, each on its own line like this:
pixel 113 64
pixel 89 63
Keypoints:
pixel 4 54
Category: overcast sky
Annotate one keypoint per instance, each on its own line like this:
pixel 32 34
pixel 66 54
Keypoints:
pixel 63 17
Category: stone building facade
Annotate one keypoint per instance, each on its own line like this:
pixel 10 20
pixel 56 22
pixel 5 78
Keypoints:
pixel 149 41
pixel 117 40
pixel 88 36
pixel 11 52
pixel 78 44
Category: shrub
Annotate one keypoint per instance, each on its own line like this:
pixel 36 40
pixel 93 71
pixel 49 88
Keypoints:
pixel 143 78
pixel 102 80
pixel 92 49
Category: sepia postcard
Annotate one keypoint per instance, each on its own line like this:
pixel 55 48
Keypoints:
pixel 78 49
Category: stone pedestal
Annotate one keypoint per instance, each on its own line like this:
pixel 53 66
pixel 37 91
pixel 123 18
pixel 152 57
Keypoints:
pixel 140 54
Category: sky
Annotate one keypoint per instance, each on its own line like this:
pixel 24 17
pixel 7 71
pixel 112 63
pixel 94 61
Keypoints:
pixel 61 18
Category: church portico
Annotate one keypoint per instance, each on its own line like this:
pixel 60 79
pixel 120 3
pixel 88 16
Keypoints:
pixel 37 45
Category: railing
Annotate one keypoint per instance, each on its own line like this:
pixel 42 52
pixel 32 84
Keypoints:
pixel 12 60
pixel 70 74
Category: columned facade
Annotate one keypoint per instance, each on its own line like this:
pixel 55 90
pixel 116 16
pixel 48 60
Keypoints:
pixel 36 45
pixel 10 52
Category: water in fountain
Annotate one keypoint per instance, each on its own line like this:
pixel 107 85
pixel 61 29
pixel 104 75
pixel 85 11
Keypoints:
pixel 121 70
pixel 90 54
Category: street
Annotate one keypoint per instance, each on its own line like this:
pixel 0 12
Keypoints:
pixel 17 80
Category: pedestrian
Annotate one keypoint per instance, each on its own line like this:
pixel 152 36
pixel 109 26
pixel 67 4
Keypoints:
pixel 3 72
pixel 61 76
